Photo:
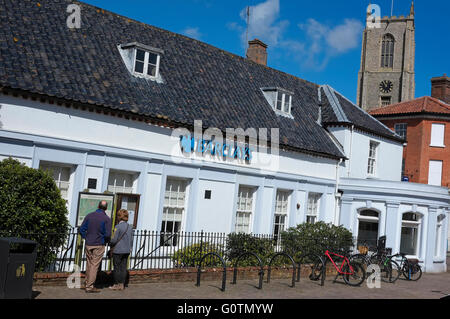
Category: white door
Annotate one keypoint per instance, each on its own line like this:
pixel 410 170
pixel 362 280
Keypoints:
pixel 435 173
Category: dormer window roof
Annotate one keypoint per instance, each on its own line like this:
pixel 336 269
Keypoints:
pixel 280 100
pixel 142 60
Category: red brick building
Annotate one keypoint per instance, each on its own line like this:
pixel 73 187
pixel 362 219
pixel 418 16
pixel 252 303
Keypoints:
pixel 425 124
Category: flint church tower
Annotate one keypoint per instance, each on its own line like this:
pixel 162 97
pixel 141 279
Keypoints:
pixel 386 75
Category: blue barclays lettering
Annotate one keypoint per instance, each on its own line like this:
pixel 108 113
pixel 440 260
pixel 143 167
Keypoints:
pixel 189 144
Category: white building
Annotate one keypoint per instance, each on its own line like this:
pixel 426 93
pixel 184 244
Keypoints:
pixel 99 106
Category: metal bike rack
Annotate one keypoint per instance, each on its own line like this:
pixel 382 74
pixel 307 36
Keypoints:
pixel 293 265
pixel 322 275
pixel 261 268
pixel 299 266
pixel 199 270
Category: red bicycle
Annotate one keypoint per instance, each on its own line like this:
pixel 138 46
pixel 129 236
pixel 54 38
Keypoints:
pixel 352 272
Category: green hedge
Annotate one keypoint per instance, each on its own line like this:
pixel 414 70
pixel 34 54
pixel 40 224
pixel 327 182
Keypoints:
pixel 307 240
pixel 31 207
pixel 191 256
pixel 238 243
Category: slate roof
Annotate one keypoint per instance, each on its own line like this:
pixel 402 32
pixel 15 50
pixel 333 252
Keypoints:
pixel 423 105
pixel 40 54
pixel 338 110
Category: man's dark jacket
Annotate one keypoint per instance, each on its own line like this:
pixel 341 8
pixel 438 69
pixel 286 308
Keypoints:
pixel 96 228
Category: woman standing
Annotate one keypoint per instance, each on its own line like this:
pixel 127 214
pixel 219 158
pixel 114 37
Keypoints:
pixel 121 244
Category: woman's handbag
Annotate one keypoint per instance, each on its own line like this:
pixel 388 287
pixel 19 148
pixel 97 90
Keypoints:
pixel 110 252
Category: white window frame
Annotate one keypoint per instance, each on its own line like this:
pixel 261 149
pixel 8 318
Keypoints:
pixel 439 236
pixel 312 212
pixel 437 138
pixel 401 127
pixel 383 100
pixel 284 102
pixel 146 63
pixel 368 219
pixel 372 159
pixel 115 188
pixel 172 210
pixel 429 172
pixel 244 214
pixel 416 225
pixel 282 204
pixel 57 168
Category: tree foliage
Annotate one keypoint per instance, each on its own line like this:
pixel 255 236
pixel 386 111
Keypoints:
pixel 31 207
pixel 307 240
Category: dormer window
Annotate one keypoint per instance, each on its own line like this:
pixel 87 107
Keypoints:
pixel 142 60
pixel 284 102
pixel 146 63
pixel 280 100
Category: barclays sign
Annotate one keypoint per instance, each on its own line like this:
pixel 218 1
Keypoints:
pixel 190 144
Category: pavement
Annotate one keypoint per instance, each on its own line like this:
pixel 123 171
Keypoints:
pixel 430 286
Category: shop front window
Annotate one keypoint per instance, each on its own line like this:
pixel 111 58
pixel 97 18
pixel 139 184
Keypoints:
pixel 410 234
pixel 368 227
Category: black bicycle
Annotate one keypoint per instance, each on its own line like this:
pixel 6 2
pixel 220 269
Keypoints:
pixel 410 268
pixel 389 269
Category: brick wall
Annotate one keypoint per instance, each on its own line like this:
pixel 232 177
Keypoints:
pixel 180 275
pixel 418 152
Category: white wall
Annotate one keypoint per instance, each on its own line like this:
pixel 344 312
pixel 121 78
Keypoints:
pixel 215 214
pixel 32 117
pixel 356 147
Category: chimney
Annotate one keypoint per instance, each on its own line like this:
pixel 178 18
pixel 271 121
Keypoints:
pixel 440 88
pixel 257 51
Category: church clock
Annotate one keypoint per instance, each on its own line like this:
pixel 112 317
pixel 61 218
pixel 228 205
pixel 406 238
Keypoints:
pixel 386 86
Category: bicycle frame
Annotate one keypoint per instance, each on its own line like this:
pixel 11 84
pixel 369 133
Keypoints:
pixel 345 260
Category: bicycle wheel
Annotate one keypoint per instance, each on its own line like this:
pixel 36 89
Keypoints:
pixel 412 272
pixel 316 269
pixel 355 277
pixel 360 258
pixel 390 271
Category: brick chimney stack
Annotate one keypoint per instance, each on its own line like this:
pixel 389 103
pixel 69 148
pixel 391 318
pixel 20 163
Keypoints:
pixel 440 88
pixel 257 51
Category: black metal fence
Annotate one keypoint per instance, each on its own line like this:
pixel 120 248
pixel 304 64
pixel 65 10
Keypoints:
pixel 151 250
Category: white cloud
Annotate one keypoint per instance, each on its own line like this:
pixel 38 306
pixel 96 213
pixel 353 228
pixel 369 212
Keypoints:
pixel 192 32
pixel 264 23
pixel 345 37
pixel 324 42
pixel 319 42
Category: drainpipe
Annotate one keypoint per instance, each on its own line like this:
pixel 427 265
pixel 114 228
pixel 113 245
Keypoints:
pixel 350 155
pixel 337 195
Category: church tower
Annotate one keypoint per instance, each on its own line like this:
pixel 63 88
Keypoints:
pixel 387 73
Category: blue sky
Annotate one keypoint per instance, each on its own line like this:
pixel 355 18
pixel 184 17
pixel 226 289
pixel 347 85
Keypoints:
pixel 319 41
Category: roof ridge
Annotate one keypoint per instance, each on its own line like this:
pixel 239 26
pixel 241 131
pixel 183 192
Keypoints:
pixel 334 102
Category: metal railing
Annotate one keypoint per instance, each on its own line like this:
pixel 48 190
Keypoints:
pixel 150 250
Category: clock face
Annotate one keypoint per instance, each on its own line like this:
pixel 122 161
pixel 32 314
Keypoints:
pixel 386 86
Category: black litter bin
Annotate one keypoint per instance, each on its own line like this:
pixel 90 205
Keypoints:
pixel 17 260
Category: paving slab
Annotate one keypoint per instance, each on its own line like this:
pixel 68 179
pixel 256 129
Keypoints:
pixel 430 286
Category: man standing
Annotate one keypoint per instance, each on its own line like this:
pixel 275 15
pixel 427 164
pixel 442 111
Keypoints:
pixel 96 230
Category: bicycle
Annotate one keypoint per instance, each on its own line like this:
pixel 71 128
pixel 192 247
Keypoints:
pixel 389 269
pixel 410 268
pixel 352 272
